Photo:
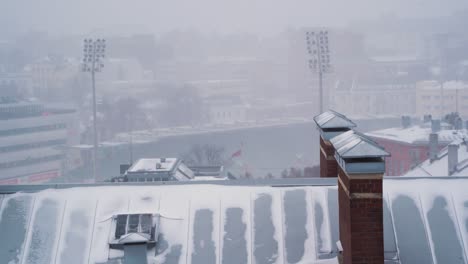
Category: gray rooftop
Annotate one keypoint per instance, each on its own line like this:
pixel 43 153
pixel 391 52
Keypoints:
pixel 332 119
pixel 149 165
pixel 425 221
pixel 352 144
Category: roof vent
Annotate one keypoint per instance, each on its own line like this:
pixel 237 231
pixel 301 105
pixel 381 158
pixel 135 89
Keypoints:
pixel 452 157
pixel 163 160
pixel 435 126
pixel 427 118
pixel 433 146
pixel 458 124
pixel 405 121
pixel 158 166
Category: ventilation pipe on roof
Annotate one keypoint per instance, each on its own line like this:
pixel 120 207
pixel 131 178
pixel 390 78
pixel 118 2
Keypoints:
pixel 360 198
pixel 427 118
pixel 452 157
pixel 435 126
pixel 433 146
pixel 405 121
pixel 458 124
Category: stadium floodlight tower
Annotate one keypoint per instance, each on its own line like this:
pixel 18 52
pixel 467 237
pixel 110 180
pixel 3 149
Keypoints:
pixel 319 57
pixel 93 56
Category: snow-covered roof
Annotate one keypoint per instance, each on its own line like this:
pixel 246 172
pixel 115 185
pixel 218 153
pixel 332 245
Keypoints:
pixel 424 221
pixel 150 165
pixel 417 135
pixel 435 85
pixel 439 167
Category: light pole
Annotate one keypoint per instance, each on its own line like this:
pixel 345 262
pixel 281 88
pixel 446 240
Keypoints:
pixel 93 54
pixel 319 57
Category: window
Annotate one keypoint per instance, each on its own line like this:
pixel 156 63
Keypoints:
pixel 30 161
pixel 414 156
pixel 133 223
pixel 28 130
pixel 34 145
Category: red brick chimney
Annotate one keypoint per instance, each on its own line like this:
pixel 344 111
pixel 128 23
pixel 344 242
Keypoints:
pixel 330 124
pixel 361 168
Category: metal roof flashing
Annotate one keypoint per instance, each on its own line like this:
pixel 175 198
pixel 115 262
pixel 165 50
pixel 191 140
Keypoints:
pixel 357 154
pixel 332 119
pixel 353 144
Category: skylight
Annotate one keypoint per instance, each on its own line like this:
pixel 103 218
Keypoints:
pixel 133 223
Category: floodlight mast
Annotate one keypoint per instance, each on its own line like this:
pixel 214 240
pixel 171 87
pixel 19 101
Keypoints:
pixel 93 54
pixel 319 57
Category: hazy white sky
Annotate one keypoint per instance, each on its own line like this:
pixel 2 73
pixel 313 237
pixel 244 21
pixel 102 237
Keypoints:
pixel 79 16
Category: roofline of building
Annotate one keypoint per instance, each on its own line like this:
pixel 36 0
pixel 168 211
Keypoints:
pixel 409 143
pixel 291 182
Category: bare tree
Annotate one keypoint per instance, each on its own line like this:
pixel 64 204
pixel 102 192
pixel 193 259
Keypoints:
pixel 204 155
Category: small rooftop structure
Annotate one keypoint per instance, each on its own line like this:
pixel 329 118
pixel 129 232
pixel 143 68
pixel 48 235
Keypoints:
pixel 332 123
pixel 352 147
pixel 168 169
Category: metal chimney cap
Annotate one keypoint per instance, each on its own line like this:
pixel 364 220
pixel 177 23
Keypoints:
pixel 333 119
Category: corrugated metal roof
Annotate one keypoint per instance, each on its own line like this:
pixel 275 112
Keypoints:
pixel 199 224
pixel 425 221
pixel 352 144
pixel 332 119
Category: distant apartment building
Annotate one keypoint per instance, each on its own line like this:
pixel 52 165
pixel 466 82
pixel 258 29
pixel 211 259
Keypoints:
pixel 434 98
pixel 33 140
pixel 385 85
pixel 51 77
pixel 15 84
pixel 374 99
pixel 226 109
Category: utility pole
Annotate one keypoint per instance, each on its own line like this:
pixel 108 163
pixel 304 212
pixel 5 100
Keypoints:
pixel 131 135
pixel 93 54
pixel 319 58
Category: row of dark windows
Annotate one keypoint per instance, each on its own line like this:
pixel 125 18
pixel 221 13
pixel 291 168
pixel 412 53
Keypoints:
pixel 34 145
pixel 150 179
pixel 20 111
pixel 27 130
pixel 29 161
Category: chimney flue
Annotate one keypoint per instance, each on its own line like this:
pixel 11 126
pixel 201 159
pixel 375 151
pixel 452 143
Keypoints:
pixel 452 157
pixel 360 198
pixel 330 125
pixel 427 118
pixel 435 126
pixel 433 146
pixel 405 121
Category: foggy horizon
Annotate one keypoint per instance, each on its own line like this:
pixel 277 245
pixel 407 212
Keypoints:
pixel 208 16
